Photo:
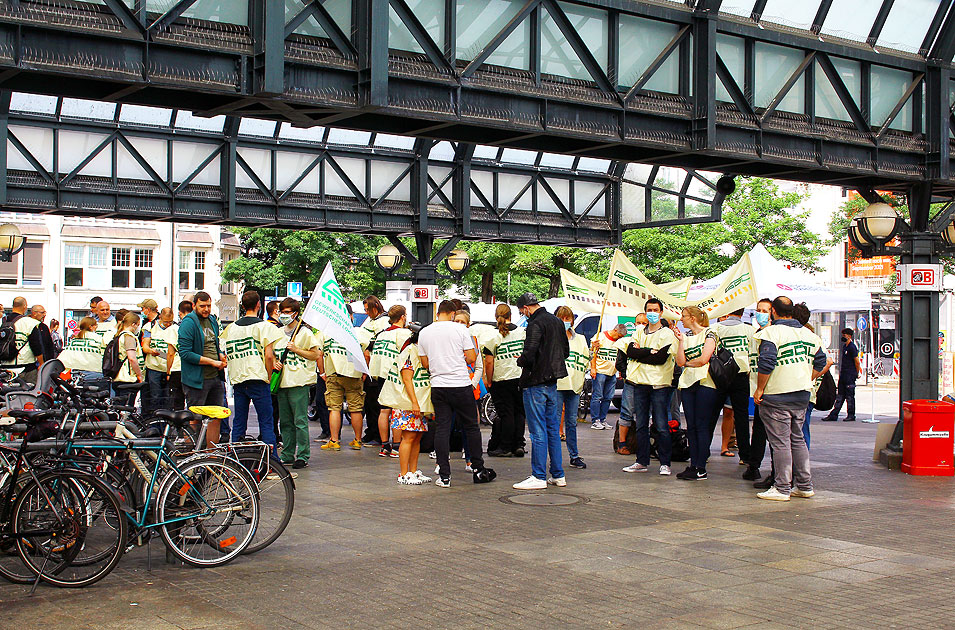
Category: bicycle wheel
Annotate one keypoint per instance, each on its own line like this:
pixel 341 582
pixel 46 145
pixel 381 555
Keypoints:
pixel 69 528
pixel 12 567
pixel 207 511
pixel 276 496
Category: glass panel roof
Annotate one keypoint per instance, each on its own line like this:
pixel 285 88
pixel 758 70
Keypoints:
pixel 907 24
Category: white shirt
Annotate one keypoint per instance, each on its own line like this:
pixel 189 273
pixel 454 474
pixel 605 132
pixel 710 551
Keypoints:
pixel 444 343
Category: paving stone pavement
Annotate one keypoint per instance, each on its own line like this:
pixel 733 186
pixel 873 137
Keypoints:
pixel 873 549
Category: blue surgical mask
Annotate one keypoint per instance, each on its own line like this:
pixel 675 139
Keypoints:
pixel 653 318
pixel 567 325
pixel 762 319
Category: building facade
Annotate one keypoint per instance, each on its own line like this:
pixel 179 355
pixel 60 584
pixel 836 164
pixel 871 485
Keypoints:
pixel 68 260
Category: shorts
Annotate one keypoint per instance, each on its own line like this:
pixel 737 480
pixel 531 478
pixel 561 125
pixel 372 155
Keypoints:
pixel 406 421
pixel 339 389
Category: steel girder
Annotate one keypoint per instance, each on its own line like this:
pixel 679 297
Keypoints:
pixel 120 169
pixel 267 70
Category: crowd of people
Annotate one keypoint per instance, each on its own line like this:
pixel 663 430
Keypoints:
pixel 423 384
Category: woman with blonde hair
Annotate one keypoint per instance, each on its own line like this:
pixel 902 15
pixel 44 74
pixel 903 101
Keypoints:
pixel 83 353
pixel 701 401
pixel 130 353
pixel 502 376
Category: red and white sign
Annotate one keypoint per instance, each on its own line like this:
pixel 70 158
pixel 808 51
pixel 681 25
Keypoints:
pixel 424 293
pixel 916 277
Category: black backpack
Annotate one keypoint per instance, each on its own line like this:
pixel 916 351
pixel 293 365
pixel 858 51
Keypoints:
pixel 826 394
pixel 9 350
pixel 112 363
pixel 723 368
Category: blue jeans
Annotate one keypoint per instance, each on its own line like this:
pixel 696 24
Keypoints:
pixel 542 408
pixel 648 401
pixel 700 405
pixel 256 392
pixel 604 385
pixel 570 402
pixel 805 425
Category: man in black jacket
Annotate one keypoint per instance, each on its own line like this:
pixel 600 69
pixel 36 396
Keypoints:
pixel 543 362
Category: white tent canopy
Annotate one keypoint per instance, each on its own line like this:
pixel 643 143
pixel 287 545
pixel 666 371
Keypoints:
pixel 773 279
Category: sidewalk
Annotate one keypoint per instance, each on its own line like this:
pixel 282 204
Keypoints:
pixel 874 548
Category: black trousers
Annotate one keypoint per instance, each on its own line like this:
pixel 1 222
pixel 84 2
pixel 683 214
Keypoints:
pixel 321 409
pixel 738 393
pixel 757 445
pixel 845 393
pixel 459 402
pixel 507 433
pixel 372 409
pixel 176 398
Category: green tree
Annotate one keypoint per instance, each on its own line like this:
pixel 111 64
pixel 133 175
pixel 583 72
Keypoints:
pixel 757 212
pixel 273 257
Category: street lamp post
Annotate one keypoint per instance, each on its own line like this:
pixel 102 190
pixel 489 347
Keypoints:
pixel 11 242
pixel 424 272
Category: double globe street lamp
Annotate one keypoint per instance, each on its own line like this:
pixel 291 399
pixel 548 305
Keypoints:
pixel 389 259
pixel 11 242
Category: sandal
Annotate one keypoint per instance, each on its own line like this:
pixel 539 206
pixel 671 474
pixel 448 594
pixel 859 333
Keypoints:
pixel 728 454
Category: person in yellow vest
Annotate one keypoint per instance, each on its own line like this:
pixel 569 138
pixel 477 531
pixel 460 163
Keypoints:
pixel 652 357
pixel 603 371
pixel 377 321
pixel 130 353
pixel 790 359
pixel 83 354
pixel 298 374
pixel 569 387
pixel 408 392
pixel 158 354
pixel 757 440
pixel 701 401
pixel 249 347
pixel 737 338
pixel 343 384
pixel 384 348
pixel 501 377
pixel 29 344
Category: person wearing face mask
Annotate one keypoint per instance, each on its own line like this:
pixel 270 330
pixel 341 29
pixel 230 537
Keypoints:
pixel 849 369
pixel 652 353
pixel 543 363
pixel 569 387
pixel 298 359
pixel 701 402
pixel 758 441
pixel 737 337
pixel 131 353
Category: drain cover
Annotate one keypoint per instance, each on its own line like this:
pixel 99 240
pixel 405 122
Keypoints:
pixel 543 499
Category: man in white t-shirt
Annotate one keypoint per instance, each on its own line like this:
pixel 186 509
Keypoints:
pixel 445 349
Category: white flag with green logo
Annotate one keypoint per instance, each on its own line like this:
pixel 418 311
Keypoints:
pixel 326 311
pixel 587 296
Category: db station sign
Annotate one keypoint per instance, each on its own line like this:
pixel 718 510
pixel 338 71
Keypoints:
pixel 424 293
pixel 919 277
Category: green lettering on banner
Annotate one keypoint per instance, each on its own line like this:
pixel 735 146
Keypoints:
pixel 581 290
pixel 735 283
pixel 626 277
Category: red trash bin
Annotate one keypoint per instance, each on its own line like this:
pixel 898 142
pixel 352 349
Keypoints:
pixel 927 437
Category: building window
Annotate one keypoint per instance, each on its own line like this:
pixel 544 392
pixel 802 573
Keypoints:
pixel 26 268
pixel 73 265
pixel 144 269
pixel 120 264
pixel 192 270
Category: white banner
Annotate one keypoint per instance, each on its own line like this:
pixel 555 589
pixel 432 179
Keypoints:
pixel 628 285
pixel 326 312
pixel 587 296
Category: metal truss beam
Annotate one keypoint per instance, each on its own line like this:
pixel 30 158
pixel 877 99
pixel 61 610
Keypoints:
pixel 353 80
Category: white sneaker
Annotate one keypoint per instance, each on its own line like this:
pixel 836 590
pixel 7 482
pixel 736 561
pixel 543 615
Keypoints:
pixel 607 425
pixel 635 467
pixel 560 482
pixel 463 456
pixel 468 469
pixel 596 426
pixel 437 470
pixel 531 483
pixel 773 495
pixel 421 477
pixel 409 480
pixel 665 470
pixel 802 494
pixel 433 455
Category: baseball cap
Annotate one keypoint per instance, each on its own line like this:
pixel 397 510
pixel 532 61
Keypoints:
pixel 528 299
pixel 148 303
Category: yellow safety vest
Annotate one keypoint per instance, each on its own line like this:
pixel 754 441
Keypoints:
pixel 795 351
pixel 578 364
